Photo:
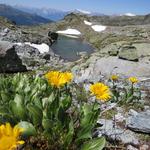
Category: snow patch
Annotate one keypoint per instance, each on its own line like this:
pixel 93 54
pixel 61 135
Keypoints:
pixel 19 44
pixel 98 28
pixel 70 32
pixel 129 14
pixel 84 11
pixel 87 23
pixel 43 48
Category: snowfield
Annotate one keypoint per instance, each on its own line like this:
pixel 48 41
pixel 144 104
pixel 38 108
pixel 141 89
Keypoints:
pixel 129 14
pixel 87 23
pixel 70 32
pixel 43 48
pixel 98 28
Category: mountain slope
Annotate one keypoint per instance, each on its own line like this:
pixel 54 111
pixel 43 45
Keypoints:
pixel 122 20
pixel 20 17
pixel 49 13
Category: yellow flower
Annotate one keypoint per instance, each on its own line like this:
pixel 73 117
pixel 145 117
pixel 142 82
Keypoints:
pixel 114 77
pixel 9 137
pixel 133 80
pixel 58 79
pixel 101 91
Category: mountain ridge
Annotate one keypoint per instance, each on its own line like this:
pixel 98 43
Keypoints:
pixel 21 17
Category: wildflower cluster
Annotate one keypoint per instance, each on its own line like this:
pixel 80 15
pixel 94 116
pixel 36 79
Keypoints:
pixel 58 114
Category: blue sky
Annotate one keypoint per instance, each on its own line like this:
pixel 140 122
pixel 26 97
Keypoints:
pixel 102 6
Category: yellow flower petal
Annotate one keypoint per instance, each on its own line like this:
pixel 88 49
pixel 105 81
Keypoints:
pixel 133 80
pixel 114 77
pixel 101 91
pixel 9 137
pixel 58 79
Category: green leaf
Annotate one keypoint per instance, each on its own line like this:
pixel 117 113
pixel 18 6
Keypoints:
pixel 62 115
pixel 3 110
pixel 94 144
pixel 69 136
pixel 19 110
pixel 5 98
pixel 66 102
pixel 29 129
pixel 47 124
pixel 89 114
pixel 36 114
pixel 50 99
pixel 38 103
pixel 18 99
pixel 85 132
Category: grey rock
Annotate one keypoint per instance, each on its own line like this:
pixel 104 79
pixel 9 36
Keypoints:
pixel 53 35
pixel 33 59
pixel 144 147
pixel 139 122
pixel 6 30
pixel 113 50
pixel 26 50
pixel 114 132
pixel 98 67
pixel 9 60
pixel 130 147
pixel 128 52
pixel 146 108
pixel 23 36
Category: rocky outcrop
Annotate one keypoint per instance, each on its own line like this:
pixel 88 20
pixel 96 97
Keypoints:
pixel 33 59
pixel 23 36
pixel 116 133
pixel 52 36
pixel 9 60
pixel 139 122
pixel 128 52
pixel 97 66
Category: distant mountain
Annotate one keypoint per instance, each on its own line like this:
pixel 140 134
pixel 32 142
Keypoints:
pixel 49 13
pixel 122 20
pixel 88 12
pixel 21 17
pixel 54 14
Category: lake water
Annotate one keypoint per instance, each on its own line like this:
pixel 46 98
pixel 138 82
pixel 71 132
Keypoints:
pixel 68 47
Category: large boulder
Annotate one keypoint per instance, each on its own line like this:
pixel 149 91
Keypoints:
pixel 9 60
pixel 139 122
pixel 52 37
pixel 31 57
pixel 128 52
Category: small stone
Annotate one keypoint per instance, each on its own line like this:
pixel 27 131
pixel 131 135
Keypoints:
pixel 113 52
pixel 144 147
pixel 130 147
pixel 119 117
pixel 146 108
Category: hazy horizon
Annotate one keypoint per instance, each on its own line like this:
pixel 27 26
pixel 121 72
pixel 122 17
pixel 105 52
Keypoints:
pixel 100 6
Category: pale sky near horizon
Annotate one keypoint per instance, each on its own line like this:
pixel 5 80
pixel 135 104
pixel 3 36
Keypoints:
pixel 102 6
